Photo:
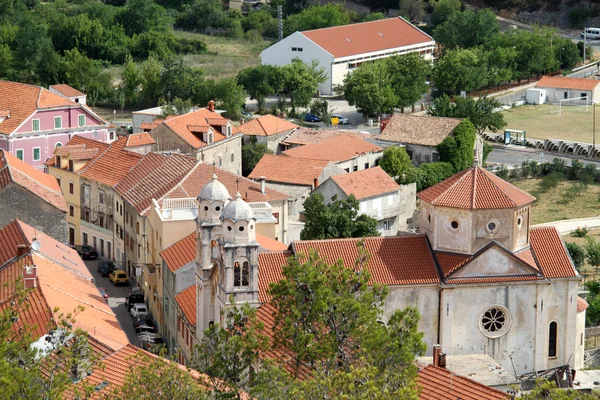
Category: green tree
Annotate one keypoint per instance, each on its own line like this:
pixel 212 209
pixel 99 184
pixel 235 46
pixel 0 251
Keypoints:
pixel 139 16
pixel 444 9
pixel 483 113
pixel 577 254
pixel 260 82
pixel 327 316
pixel 467 29
pixel 320 108
pixel 369 88
pixel 176 107
pixel 408 74
pixel 301 81
pixel 592 252
pixel 336 219
pixel 395 161
pixel 458 148
pixel 316 17
pixel 412 10
pixel 230 96
pixel 252 152
pixel 547 390
pixel 460 70
pixel 152 88
pixel 131 82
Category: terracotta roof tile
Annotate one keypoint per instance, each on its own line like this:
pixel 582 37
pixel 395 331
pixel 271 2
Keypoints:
pixel 269 271
pixel 85 154
pixel 367 37
pixel 451 262
pixel 282 169
pixel 180 253
pixel 394 260
pixel 366 183
pixel 313 136
pixel 187 303
pixel 266 125
pixel 582 304
pixel 139 139
pixel 550 253
pixel 475 189
pixel 441 384
pixel 153 177
pixel 181 124
pixel 67 90
pixel 340 148
pixel 40 184
pixel 75 145
pixel 112 165
pixel 418 129
pixel 269 244
pixel 558 82
pixel 22 100
pixel 65 150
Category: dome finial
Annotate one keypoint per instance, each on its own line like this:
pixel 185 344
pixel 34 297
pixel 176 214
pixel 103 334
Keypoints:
pixel 214 177
pixel 238 195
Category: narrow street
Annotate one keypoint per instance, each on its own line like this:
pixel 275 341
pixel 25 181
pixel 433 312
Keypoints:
pixel 116 299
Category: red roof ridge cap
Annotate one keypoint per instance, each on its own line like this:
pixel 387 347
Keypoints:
pixel 179 183
pixel 459 180
pixel 475 173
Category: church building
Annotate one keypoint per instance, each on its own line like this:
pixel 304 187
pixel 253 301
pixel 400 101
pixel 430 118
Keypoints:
pixel 483 280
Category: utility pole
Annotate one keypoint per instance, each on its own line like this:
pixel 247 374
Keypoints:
pixel 594 129
pixel 280 21
pixel 584 43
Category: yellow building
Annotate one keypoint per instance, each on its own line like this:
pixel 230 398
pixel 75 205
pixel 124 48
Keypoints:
pixel 65 166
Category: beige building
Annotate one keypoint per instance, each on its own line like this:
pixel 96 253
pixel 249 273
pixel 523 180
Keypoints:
pixel 267 129
pixel 204 134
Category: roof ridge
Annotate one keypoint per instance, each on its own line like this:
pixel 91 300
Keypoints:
pixel 357 23
pixel 498 187
pixel 96 158
pixel 37 102
pixel 180 181
pixel 474 187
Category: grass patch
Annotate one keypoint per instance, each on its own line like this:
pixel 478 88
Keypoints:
pixel 225 57
pixel 548 207
pixel 543 122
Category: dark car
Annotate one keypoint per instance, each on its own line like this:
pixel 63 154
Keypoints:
pixel 311 118
pixel 245 113
pixel 106 267
pixel 135 297
pixel 143 325
pixel 86 251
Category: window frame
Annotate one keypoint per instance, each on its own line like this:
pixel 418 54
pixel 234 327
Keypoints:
pixel 39 149
pixel 60 122
pixel 39 125
pixel 71 188
pixel 553 340
pixel 79 124
pixel 22 158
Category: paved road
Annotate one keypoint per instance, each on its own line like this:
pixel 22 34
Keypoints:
pixel 570 225
pixel 116 300
pixel 514 155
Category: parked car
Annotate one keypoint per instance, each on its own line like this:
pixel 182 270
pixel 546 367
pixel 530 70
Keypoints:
pixel 135 297
pixel 341 119
pixel 119 277
pixel 245 113
pixel 106 267
pixel 86 251
pixel 152 342
pixel 103 293
pixel 143 325
pixel 311 118
pixel 139 311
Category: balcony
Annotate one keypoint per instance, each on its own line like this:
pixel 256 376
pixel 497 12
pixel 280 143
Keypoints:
pixel 263 212
pixel 178 209
pixel 150 275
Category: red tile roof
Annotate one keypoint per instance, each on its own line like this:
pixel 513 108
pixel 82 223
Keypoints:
pixel 40 184
pixel 550 253
pixel 112 165
pixel 139 139
pixel 367 37
pixel 282 169
pixel 180 253
pixel 186 300
pixel 475 189
pixel 339 148
pixel 421 130
pixel 582 304
pixel 22 100
pixel 181 124
pixel 270 244
pixel 153 177
pixel 366 183
pixel 441 384
pixel 394 260
pixel 67 90
pixel 558 82
pixel 80 148
pixel 312 136
pixel 269 271
pixel 266 125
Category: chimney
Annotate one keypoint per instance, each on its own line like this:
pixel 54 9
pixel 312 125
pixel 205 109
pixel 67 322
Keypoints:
pixel 436 354
pixel 211 105
pixel 262 184
pixel 22 249
pixel 315 183
pixel 30 276
pixel 442 360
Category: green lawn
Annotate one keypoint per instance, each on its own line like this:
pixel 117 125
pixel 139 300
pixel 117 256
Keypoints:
pixel 547 208
pixel 543 122
pixel 225 56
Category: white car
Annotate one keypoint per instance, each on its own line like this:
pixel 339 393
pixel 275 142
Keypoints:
pixel 341 120
pixel 139 310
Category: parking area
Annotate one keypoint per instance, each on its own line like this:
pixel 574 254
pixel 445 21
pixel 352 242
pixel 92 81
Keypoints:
pixel 116 299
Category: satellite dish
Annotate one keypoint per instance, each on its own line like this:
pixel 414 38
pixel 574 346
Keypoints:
pixel 35 245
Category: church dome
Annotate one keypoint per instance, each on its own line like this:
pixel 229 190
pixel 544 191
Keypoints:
pixel 238 210
pixel 213 191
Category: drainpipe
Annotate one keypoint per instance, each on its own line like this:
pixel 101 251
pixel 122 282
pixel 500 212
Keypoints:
pixel 439 333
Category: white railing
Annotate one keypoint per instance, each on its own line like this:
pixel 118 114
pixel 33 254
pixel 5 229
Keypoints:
pixel 178 204
pixel 263 212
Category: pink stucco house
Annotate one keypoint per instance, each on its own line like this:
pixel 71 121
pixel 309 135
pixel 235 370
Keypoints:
pixel 34 121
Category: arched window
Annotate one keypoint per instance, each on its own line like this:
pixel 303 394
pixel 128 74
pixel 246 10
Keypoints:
pixel 241 274
pixel 245 273
pixel 552 339
pixel 58 144
pixel 237 275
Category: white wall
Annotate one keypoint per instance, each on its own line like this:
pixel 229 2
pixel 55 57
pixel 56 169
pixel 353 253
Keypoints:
pixel 555 95
pixel 281 54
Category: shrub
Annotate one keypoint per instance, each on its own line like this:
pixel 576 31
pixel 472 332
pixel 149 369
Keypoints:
pixel 503 172
pixel 550 181
pixel 577 254
pixel 487 149
pixel 515 174
pixel 581 232
pixel 189 46
pixel 576 170
pixel 559 165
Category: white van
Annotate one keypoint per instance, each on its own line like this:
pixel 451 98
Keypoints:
pixel 591 33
